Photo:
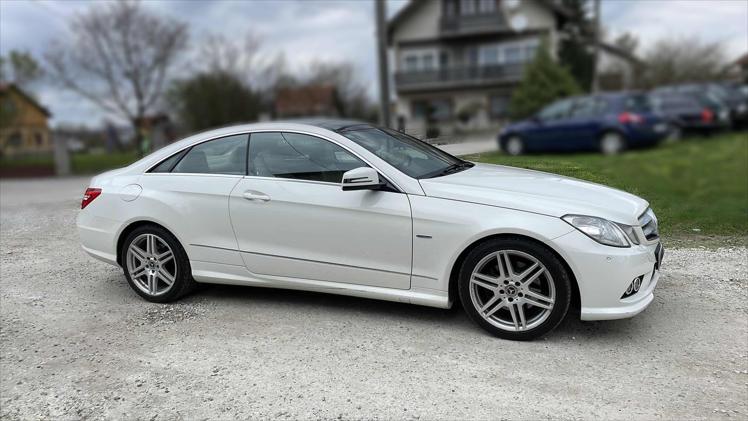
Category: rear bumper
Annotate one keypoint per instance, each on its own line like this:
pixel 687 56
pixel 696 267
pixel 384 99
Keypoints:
pixel 98 236
pixel 604 273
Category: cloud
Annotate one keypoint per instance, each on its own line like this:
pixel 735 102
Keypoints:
pixel 723 21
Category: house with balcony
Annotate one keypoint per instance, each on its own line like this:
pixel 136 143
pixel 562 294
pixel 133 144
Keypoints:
pixel 456 62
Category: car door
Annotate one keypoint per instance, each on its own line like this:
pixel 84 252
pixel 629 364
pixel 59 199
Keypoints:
pixel 293 220
pixel 189 191
pixel 584 123
pixel 552 127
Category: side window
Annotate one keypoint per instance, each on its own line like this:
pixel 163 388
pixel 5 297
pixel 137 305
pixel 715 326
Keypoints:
pixel 556 111
pixel 227 155
pixel 167 164
pixel 588 107
pixel 298 156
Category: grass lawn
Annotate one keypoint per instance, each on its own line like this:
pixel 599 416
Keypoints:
pixel 697 187
pixel 80 163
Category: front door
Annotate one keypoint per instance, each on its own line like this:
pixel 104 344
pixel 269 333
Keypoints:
pixel 293 220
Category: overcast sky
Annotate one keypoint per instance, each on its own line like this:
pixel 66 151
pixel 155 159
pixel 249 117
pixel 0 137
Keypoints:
pixel 341 30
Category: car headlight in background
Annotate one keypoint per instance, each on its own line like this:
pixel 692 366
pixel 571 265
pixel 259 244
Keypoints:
pixel 602 230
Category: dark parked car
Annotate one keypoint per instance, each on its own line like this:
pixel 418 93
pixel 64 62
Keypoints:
pixel 685 114
pixel 609 123
pixel 707 96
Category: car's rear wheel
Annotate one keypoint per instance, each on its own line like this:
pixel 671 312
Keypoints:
pixel 675 133
pixel 514 288
pixel 155 264
pixel 612 143
pixel 514 146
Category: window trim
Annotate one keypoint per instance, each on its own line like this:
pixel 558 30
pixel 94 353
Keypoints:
pixel 148 172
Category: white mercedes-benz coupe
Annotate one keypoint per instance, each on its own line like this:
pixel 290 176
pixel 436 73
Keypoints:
pixel 349 208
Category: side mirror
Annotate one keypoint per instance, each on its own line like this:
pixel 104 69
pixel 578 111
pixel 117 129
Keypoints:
pixel 362 178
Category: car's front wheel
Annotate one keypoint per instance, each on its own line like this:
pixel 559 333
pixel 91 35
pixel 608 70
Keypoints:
pixel 514 288
pixel 155 264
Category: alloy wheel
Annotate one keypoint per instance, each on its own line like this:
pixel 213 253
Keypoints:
pixel 151 264
pixel 611 144
pixel 515 146
pixel 512 290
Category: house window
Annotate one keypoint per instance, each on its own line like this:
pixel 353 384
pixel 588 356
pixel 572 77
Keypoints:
pixel 420 62
pixel 513 54
pixel 428 62
pixel 467 7
pixel 498 106
pixel 39 139
pixel 432 110
pixel 487 6
pixel 450 8
pixel 15 140
pixel 489 54
pixel 411 63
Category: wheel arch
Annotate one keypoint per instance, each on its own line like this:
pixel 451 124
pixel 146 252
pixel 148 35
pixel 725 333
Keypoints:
pixel 455 270
pixel 132 226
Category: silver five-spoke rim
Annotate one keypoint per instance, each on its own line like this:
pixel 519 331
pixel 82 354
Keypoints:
pixel 151 264
pixel 512 290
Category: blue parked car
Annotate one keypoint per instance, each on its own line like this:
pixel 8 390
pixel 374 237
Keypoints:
pixel 609 123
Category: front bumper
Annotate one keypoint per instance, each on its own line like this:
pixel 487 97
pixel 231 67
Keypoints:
pixel 603 273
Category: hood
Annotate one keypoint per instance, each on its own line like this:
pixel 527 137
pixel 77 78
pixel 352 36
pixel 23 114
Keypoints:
pixel 537 192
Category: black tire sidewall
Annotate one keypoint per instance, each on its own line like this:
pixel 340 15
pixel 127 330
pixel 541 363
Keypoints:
pixel 183 282
pixel 558 272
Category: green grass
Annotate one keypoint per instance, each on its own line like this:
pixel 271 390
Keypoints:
pixel 697 187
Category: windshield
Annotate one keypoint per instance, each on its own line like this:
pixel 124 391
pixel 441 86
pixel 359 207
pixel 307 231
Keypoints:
pixel 413 157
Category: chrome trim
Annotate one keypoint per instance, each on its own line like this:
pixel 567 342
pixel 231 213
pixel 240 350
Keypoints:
pixel 249 133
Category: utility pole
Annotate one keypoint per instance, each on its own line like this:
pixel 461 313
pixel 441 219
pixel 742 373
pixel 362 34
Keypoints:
pixel 384 81
pixel 596 49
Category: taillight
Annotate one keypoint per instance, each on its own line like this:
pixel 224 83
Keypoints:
pixel 630 118
pixel 89 196
pixel 707 116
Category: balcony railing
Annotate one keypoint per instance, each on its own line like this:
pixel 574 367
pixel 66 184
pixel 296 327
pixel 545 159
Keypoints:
pixel 479 23
pixel 454 77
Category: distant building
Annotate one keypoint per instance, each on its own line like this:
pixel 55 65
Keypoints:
pixel 23 123
pixel 306 101
pixel 738 69
pixel 457 61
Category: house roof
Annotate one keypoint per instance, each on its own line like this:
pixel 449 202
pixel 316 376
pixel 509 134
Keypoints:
pixel 409 8
pixel 306 99
pixel 8 87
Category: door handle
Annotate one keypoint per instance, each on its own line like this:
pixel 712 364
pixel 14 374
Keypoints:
pixel 256 196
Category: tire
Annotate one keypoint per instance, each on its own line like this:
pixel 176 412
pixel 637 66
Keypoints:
pixel 675 133
pixel 612 143
pixel 149 261
pixel 514 146
pixel 502 299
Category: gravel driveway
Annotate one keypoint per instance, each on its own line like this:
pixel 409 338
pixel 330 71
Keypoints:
pixel 76 342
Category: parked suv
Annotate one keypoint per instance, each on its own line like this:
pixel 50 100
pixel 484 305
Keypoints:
pixel 608 122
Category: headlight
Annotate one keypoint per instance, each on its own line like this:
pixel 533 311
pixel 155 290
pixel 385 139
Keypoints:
pixel 599 229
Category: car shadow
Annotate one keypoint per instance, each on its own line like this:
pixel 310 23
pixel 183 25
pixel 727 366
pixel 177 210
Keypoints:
pixel 571 329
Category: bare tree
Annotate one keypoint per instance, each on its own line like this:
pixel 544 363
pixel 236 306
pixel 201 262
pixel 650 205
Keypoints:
pixel 118 56
pixel 351 90
pixel 677 60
